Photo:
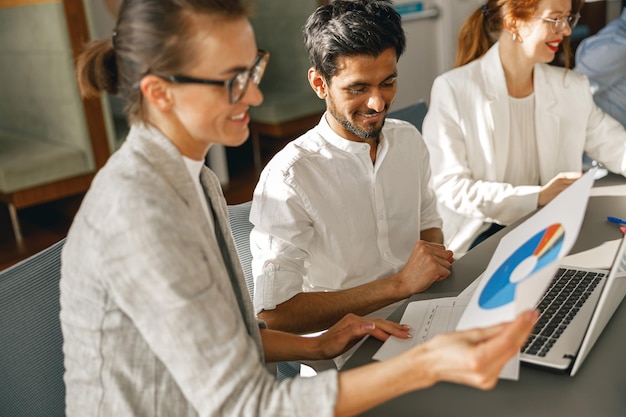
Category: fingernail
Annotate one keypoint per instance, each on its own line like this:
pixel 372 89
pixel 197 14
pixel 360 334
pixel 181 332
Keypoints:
pixel 532 315
pixel 369 326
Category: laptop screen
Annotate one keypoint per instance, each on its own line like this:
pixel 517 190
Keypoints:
pixel 612 295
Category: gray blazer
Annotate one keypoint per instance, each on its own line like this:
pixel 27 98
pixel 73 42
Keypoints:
pixel 155 312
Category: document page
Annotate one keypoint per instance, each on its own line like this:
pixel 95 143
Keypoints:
pixel 427 319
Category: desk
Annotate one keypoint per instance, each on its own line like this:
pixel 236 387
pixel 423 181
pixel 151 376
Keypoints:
pixel 598 389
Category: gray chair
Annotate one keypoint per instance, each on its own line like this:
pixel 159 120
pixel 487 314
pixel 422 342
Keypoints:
pixel 413 114
pixel 31 342
pixel 240 226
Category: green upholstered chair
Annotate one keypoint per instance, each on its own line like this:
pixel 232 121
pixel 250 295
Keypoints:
pixel 51 141
pixel 290 107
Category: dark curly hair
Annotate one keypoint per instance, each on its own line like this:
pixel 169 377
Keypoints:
pixel 351 27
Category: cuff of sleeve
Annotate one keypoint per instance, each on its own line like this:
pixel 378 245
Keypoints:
pixel 318 395
pixel 523 202
pixel 274 287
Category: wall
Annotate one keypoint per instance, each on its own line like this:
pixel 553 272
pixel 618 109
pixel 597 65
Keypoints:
pixel 431 45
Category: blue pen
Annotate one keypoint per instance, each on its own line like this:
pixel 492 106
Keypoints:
pixel 616 220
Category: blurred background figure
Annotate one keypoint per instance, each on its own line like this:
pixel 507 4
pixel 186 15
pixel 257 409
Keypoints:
pixel 602 57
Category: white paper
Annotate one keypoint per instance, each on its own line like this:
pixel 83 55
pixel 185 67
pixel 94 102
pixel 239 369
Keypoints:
pixel 526 259
pixel 427 318
pixel 516 277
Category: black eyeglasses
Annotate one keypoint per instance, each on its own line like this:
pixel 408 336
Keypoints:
pixel 558 25
pixel 238 85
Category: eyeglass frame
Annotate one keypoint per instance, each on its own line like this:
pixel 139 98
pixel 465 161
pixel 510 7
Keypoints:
pixel 568 20
pixel 257 70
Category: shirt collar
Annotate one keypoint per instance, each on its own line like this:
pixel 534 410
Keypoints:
pixel 194 167
pixel 339 141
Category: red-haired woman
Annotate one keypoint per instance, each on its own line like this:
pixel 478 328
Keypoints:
pixel 505 130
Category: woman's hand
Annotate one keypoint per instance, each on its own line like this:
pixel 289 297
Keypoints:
pixel 475 357
pixel 282 346
pixel 352 328
pixel 554 187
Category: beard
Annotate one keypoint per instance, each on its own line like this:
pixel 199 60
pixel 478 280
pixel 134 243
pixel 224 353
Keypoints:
pixel 363 133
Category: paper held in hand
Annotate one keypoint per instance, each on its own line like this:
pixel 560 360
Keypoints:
pixel 516 277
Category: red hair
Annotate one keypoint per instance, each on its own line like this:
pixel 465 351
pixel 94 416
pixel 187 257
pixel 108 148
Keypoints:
pixel 483 27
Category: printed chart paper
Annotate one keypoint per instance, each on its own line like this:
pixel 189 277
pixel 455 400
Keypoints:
pixel 525 260
pixel 516 277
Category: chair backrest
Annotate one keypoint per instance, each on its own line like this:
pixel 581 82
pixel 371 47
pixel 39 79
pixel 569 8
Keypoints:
pixel 239 217
pixel 39 89
pixel 31 342
pixel 413 114
pixel 287 94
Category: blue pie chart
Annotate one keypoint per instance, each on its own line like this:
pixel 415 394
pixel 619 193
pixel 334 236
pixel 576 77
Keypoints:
pixel 534 254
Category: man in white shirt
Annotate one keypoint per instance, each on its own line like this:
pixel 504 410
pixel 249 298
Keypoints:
pixel 345 220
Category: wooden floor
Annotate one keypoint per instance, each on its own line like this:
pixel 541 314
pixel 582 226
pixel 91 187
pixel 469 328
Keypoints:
pixel 48 223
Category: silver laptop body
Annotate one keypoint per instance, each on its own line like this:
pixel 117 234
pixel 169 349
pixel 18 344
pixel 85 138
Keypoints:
pixel 574 310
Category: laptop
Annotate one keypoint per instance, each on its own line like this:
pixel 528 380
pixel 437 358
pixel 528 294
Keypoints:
pixel 574 311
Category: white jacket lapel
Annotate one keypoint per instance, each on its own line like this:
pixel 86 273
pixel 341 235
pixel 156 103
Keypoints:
pixel 546 124
pixel 497 124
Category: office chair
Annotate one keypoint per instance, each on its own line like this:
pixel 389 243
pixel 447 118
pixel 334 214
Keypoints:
pixel 240 226
pixel 239 217
pixel 413 113
pixel 31 342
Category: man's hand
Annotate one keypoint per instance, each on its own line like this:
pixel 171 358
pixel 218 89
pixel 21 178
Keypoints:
pixel 428 262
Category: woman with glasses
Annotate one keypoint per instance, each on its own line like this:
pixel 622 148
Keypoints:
pixel 506 131
pixel 155 313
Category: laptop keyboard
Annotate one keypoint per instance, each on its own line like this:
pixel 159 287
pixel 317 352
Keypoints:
pixel 566 294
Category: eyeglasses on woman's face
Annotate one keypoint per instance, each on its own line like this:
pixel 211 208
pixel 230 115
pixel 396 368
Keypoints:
pixel 238 85
pixel 559 25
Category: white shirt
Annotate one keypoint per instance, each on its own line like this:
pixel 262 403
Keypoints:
pixel 523 160
pixel 327 219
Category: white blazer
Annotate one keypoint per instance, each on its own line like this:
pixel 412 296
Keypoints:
pixel 467 133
